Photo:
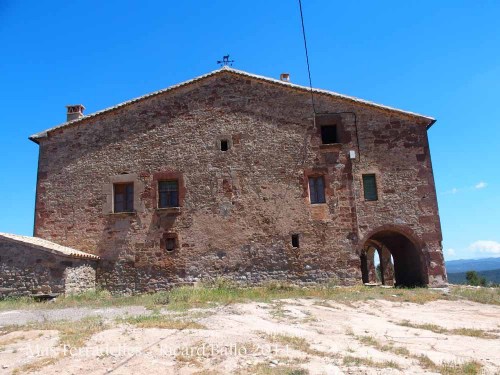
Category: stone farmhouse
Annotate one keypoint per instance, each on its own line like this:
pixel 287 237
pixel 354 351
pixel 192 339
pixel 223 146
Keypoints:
pixel 230 174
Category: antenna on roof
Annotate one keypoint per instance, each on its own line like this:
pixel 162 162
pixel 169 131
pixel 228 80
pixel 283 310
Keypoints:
pixel 225 61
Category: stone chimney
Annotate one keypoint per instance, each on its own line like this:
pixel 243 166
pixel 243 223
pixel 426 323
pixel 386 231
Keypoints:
pixel 74 112
pixel 285 77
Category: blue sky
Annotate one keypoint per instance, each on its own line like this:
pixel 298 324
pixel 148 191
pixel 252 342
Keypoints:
pixel 440 58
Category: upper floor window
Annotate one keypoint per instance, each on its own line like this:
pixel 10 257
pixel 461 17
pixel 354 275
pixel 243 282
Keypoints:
pixel 329 134
pixel 123 195
pixel 370 187
pixel 317 189
pixel 168 194
pixel 224 145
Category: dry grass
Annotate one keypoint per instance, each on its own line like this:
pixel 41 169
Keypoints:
pixel 388 347
pixel 225 292
pixel 295 342
pixel 266 369
pixel 326 304
pixel 96 299
pixel 277 311
pixel 449 368
pixel 207 372
pixel 187 360
pixel 358 361
pixel 4 341
pixel 490 296
pixel 161 321
pixel 455 331
pixel 71 333
pixel 184 297
pixel 35 366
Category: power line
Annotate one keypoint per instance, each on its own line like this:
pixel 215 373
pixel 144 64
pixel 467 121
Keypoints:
pixel 307 55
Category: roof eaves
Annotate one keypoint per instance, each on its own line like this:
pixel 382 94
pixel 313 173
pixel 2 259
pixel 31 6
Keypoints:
pixel 48 246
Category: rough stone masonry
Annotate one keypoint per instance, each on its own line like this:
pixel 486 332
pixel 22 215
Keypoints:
pixel 260 187
pixel 32 266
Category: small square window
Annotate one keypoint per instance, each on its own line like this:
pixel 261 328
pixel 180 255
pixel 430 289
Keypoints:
pixel 169 242
pixel 370 187
pixel 168 194
pixel 295 241
pixel 224 145
pixel 123 197
pixel 317 190
pixel 329 134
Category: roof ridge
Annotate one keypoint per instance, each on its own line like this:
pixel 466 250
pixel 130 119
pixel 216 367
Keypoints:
pixel 226 68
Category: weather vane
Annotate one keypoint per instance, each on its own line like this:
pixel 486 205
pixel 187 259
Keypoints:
pixel 225 61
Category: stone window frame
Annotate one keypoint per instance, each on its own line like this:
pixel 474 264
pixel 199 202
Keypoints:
pixel 330 119
pixel 165 237
pixel 378 181
pixel 327 178
pixel 169 176
pixel 109 191
pixel 168 192
pixel 126 193
pixel 320 194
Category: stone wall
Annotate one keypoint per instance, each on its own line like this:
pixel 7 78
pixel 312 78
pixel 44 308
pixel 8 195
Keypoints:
pixel 25 271
pixel 80 277
pixel 239 208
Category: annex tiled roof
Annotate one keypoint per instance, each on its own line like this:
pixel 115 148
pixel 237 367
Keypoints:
pixel 44 245
pixel 36 136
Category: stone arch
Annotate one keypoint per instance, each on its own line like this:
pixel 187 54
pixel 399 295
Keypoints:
pixel 369 272
pixel 409 268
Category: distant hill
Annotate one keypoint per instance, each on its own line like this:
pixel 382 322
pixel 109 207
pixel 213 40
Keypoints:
pixel 490 276
pixel 464 265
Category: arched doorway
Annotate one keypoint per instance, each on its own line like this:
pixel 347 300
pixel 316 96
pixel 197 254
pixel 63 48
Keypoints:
pixel 377 264
pixel 401 261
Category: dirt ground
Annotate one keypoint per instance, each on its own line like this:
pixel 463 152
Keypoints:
pixel 296 336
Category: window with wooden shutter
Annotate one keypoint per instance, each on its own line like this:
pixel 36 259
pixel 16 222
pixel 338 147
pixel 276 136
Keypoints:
pixel 317 190
pixel 168 194
pixel 123 197
pixel 370 187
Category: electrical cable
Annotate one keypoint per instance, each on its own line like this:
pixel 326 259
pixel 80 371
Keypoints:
pixel 307 55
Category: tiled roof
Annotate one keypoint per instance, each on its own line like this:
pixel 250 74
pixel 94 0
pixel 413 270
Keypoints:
pixel 44 245
pixel 36 136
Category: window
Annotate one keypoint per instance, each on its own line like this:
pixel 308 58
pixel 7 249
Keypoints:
pixel 168 194
pixel 123 197
pixel 295 240
pixel 170 244
pixel 224 145
pixel 329 134
pixel 317 189
pixel 370 187
pixel 169 241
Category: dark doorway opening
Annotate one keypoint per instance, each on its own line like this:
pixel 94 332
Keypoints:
pixel 400 263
